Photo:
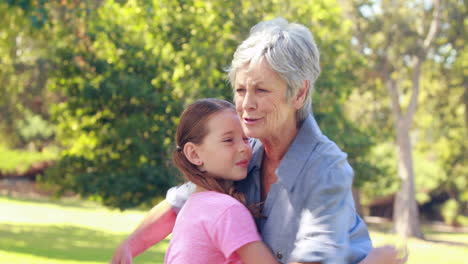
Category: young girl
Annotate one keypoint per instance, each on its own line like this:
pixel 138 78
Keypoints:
pixel 214 226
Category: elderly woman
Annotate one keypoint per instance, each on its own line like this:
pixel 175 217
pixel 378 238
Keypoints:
pixel 300 177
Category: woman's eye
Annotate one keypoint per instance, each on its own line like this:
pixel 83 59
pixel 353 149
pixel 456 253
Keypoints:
pixel 240 90
pixel 246 140
pixel 227 140
pixel 262 90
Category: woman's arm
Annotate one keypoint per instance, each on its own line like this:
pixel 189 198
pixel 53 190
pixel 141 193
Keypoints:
pixel 381 255
pixel 304 263
pixel 256 252
pixel 327 208
pixel 156 225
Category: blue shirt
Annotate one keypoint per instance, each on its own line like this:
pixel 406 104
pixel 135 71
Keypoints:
pixel 309 213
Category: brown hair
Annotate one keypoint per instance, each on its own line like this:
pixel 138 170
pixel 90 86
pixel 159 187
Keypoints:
pixel 193 128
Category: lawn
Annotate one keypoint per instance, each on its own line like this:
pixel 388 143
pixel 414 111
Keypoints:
pixel 73 231
pixel 67 231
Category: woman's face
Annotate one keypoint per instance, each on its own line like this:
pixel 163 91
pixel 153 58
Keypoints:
pixel 261 102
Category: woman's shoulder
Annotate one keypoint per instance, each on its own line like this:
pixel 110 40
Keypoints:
pixel 328 155
pixel 327 166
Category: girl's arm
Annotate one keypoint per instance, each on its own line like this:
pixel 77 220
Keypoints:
pixel 256 252
pixel 156 225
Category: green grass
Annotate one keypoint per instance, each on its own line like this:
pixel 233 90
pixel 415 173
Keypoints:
pixel 432 250
pixel 73 231
pixel 68 232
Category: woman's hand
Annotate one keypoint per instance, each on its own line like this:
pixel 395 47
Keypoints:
pixel 386 255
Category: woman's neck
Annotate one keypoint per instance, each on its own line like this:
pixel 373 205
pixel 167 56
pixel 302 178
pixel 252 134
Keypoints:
pixel 277 146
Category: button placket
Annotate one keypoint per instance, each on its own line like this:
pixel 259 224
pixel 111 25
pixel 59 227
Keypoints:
pixel 279 255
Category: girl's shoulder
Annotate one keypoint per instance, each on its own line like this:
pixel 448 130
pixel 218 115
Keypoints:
pixel 212 198
pixel 209 206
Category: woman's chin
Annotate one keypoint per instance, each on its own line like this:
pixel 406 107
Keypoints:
pixel 251 133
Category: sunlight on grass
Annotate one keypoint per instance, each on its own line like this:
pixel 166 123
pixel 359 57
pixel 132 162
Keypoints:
pixel 421 251
pixel 64 244
pixel 13 257
pixel 66 232
pixel 87 215
pixel 451 237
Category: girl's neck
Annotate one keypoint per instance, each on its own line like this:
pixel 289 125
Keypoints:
pixel 226 183
pixel 198 189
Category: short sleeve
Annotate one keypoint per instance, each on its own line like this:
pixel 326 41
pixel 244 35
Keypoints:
pixel 234 229
pixel 178 195
pixel 324 220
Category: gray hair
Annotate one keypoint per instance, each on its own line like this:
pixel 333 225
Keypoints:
pixel 289 49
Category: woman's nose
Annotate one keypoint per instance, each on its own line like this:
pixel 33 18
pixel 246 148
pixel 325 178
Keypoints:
pixel 249 101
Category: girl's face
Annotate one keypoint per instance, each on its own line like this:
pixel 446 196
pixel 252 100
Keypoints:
pixel 225 151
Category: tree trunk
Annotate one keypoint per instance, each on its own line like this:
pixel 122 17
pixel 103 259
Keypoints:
pixel 405 213
pixel 405 209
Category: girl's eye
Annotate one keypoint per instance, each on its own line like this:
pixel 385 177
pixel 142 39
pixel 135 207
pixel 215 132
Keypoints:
pixel 227 140
pixel 246 140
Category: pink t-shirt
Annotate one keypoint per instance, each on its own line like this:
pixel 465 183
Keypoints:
pixel 209 229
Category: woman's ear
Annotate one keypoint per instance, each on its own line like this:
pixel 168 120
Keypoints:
pixel 190 151
pixel 301 95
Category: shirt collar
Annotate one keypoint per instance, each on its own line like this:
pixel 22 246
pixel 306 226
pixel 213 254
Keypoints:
pixel 257 155
pixel 297 155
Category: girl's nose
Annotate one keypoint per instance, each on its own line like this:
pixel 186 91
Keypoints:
pixel 244 147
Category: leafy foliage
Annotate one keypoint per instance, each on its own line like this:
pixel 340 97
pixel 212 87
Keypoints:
pixel 127 70
pixel 23 75
pixel 107 80
pixel 440 127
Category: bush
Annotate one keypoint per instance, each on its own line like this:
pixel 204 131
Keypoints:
pixel 450 211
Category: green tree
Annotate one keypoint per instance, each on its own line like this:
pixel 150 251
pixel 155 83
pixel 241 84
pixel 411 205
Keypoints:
pixel 24 74
pixel 448 108
pixel 124 70
pixel 397 37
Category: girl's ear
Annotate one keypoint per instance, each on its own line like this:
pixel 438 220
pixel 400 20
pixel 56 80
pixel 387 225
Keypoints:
pixel 190 151
pixel 301 95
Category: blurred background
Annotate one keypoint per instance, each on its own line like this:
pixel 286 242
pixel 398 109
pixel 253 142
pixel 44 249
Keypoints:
pixel 91 91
